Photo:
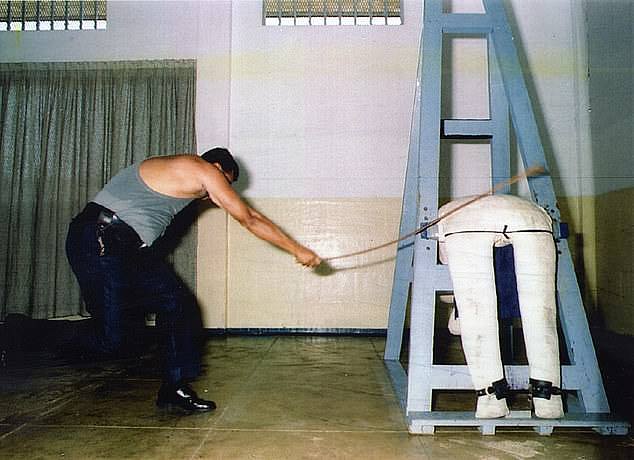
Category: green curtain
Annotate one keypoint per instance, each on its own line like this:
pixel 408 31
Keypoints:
pixel 65 129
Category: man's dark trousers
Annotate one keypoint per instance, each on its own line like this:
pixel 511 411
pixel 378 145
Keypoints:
pixel 120 282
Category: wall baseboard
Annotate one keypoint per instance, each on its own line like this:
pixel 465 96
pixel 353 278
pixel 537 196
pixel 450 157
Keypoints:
pixel 296 331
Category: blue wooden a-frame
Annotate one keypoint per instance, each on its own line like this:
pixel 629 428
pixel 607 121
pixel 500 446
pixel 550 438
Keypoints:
pixel 416 262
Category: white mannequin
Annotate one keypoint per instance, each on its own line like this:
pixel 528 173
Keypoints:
pixel 467 238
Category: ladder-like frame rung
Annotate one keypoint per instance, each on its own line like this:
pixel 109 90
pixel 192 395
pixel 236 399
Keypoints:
pixel 457 377
pixel 460 129
pixel 466 23
pixel 425 422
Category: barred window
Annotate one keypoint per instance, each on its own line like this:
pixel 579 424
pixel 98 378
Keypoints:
pixel 52 14
pixel 331 12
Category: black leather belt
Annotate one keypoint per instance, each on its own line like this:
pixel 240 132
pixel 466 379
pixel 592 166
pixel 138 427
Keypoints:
pixel 94 212
pixel 112 232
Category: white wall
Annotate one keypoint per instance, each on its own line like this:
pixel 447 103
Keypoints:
pixel 320 118
pixel 311 104
pixel 136 30
pixel 322 111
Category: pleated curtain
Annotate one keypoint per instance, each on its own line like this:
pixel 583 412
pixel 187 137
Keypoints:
pixel 65 130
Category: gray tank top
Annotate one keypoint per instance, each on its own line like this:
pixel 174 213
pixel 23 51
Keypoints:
pixel 147 211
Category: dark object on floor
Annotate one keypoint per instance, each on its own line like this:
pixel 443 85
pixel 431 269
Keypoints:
pixel 26 342
pixel 23 337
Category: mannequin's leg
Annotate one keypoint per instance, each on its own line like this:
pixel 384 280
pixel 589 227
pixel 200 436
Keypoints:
pixel 470 258
pixel 535 267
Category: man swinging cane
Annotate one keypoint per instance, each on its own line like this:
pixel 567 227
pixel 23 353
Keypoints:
pixel 109 247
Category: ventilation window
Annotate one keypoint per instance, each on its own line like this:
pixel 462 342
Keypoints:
pixel 332 12
pixel 52 15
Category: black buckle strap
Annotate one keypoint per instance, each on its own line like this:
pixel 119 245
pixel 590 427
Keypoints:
pixel 542 389
pixel 500 388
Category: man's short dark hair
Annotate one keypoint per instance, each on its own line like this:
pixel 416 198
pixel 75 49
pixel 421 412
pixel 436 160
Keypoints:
pixel 222 156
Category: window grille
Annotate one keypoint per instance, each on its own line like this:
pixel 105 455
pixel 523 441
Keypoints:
pixel 332 12
pixel 52 14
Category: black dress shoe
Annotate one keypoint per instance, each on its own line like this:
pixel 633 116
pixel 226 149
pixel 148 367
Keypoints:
pixel 182 398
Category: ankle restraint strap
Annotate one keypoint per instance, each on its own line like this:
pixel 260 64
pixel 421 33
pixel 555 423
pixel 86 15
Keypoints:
pixel 542 389
pixel 500 388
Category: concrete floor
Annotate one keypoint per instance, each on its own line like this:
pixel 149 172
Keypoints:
pixel 280 397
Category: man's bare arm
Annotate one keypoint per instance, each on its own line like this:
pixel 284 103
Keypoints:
pixel 221 193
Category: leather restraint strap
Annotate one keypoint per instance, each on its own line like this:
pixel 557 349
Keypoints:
pixel 542 389
pixel 500 388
